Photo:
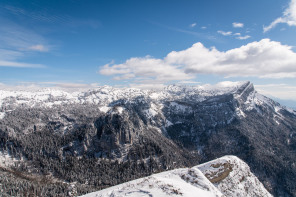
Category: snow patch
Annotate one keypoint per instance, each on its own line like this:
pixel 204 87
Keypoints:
pixel 6 160
pixel 168 123
pixel 154 95
pixel 179 107
pixel 120 109
pixel 150 113
pixel 104 109
pixel 240 113
pixel 153 110
pixel 2 115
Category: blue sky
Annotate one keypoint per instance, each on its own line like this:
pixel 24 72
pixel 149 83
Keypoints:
pixel 75 43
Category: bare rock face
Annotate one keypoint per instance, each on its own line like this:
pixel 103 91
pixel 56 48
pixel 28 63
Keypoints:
pixel 107 136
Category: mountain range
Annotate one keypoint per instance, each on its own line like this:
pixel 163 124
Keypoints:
pixel 57 143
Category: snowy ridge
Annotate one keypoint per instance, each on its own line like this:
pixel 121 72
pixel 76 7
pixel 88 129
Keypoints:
pixel 227 176
pixel 106 94
pixel 162 184
pixel 112 100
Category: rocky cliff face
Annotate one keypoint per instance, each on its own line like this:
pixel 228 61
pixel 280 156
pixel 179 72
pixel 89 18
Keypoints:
pixel 103 137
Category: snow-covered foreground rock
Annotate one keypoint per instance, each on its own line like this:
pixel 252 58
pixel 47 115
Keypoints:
pixel 233 177
pixel 226 176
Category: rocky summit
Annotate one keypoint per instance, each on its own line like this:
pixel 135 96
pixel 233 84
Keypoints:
pixel 58 143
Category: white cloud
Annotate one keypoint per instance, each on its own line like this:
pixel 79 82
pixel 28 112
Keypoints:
pixel 38 47
pixel 243 37
pixel 203 27
pixel 16 37
pixel 228 33
pixel 8 58
pixel 9 54
pixel 238 35
pixel 45 14
pixel 193 25
pixel 193 33
pixel 188 82
pixel 67 86
pixel 19 64
pixel 16 42
pixel 263 59
pixel 289 17
pixel 237 25
pixel 147 68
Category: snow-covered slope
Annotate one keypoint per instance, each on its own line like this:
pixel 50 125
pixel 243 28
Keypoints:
pixel 227 176
pixel 164 184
